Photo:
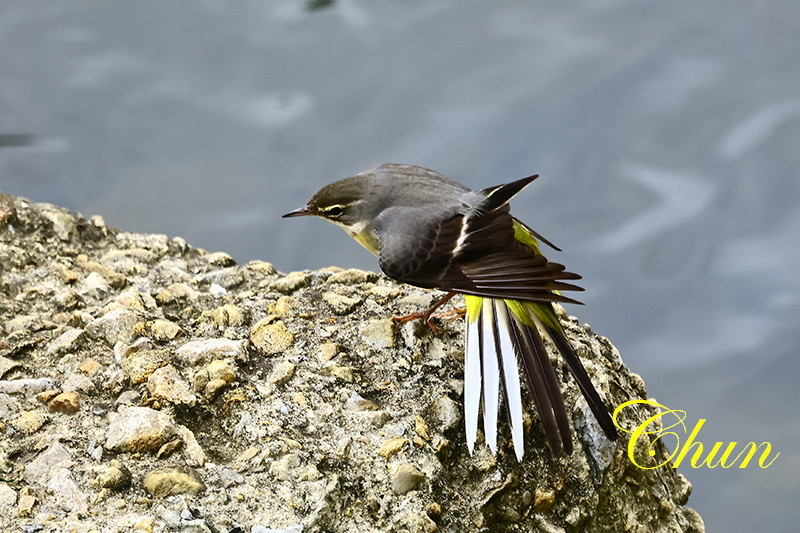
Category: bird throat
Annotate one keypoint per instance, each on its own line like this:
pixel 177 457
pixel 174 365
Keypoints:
pixel 362 236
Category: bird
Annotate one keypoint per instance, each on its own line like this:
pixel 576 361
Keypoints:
pixel 432 232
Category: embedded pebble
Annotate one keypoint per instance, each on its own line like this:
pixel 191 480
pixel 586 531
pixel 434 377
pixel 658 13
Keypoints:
pixel 166 383
pixel 352 276
pixel 392 446
pixel 66 402
pixel 67 492
pixel 26 385
pixel 43 465
pixel 114 476
pixel 446 413
pixel 8 497
pixel 379 333
pixel 139 429
pixel 271 337
pixel 228 315
pixel 66 342
pixel 199 351
pixel 173 481
pixel 177 292
pixel 340 304
pixel 290 283
pixel 165 330
pixel 114 326
pixel 29 421
pixel 139 365
pixel 282 373
pixel 405 478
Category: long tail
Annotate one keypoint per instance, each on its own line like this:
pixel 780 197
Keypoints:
pixel 502 334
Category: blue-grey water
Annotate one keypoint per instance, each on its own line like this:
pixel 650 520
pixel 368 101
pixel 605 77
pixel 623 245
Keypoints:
pixel 667 135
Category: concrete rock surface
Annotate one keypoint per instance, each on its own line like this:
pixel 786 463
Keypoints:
pixel 270 402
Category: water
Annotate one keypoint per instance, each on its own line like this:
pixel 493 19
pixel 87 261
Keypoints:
pixel 666 135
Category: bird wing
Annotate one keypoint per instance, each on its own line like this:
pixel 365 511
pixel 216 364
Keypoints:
pixel 472 251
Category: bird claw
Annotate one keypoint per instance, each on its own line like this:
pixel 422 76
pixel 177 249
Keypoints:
pixel 420 315
pixel 428 315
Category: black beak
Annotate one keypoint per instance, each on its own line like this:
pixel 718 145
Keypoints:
pixel 303 211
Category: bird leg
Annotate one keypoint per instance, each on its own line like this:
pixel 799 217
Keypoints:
pixel 452 314
pixel 427 314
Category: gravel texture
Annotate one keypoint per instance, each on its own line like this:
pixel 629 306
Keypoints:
pixel 146 385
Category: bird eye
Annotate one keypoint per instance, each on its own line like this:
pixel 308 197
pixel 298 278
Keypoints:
pixel 334 211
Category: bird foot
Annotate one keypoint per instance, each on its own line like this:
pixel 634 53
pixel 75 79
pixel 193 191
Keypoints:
pixel 452 315
pixel 427 315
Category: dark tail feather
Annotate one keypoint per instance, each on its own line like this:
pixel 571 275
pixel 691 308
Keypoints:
pixel 544 387
pixel 585 384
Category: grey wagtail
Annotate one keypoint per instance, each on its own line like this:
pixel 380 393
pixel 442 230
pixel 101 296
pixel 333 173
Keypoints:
pixel 433 232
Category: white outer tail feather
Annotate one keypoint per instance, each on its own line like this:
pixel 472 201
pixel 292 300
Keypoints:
pixel 472 382
pixel 491 376
pixel 485 356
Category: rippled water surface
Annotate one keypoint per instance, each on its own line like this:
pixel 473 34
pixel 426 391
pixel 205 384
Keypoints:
pixel 666 135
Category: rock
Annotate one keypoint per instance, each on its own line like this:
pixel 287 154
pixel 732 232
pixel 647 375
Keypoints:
pixel 195 456
pixel 26 502
pixel 66 342
pixel 177 292
pixel 173 481
pixel 329 350
pixel 113 278
pixel 165 330
pixel 63 224
pixel 29 422
pixel 135 300
pixel 94 286
pixel 283 306
pixel 379 333
pixel 352 276
pixel 271 337
pixel 392 446
pixel 167 384
pixel 66 491
pixel 405 478
pixel 319 410
pixel 359 403
pixel 290 283
pixel 7 365
pixel 89 366
pixel 67 402
pixel 228 315
pixel 44 465
pixel 78 383
pixel 221 370
pixel 200 351
pixel 139 429
pixel 115 326
pixel 27 387
pixel 213 377
pixel 282 373
pixel 446 413
pixel 262 267
pixel 344 373
pixel 543 500
pixel 220 259
pixel 8 497
pixel 139 365
pixel 113 476
pixel 212 388
pixel 340 304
